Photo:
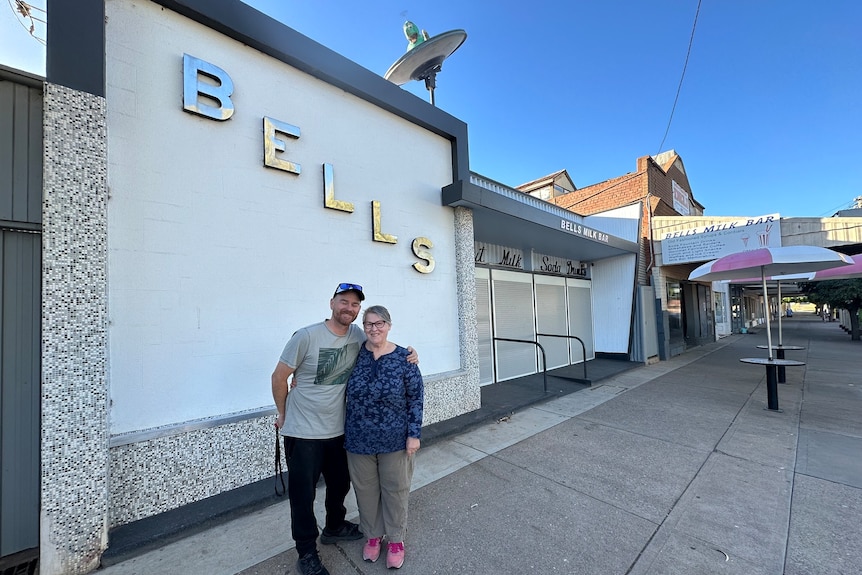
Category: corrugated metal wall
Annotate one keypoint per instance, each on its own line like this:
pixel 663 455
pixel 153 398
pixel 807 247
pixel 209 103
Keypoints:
pixel 20 154
pixel 19 390
pixel 613 281
pixel 20 305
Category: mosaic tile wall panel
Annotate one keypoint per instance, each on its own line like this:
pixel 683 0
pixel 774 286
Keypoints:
pixel 157 475
pixel 448 397
pixel 150 477
pixel 74 345
pixel 465 254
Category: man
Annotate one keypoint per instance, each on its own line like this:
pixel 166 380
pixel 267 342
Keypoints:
pixel 311 418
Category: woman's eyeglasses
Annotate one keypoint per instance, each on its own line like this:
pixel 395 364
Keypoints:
pixel 369 324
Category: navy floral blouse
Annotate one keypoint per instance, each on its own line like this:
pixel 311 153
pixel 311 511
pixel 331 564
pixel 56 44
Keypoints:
pixel 385 399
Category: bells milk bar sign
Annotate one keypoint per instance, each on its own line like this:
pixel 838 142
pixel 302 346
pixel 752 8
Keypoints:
pixel 584 231
pixel 717 239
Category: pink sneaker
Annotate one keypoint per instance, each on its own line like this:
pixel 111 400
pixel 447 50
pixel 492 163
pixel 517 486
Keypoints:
pixel 395 558
pixel 371 551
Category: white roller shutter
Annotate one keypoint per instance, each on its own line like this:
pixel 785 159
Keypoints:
pixel 483 326
pixel 551 318
pixel 580 318
pixel 513 319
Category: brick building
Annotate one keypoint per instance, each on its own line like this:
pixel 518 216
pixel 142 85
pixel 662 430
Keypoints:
pixel 659 184
pixel 659 187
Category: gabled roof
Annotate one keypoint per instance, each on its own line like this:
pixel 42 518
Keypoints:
pixel 667 159
pixel 553 178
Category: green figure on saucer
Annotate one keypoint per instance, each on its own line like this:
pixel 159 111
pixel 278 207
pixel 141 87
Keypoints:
pixel 414 36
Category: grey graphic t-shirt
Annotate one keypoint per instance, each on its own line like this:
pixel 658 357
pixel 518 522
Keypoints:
pixel 315 407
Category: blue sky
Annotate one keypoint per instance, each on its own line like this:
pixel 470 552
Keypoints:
pixel 769 117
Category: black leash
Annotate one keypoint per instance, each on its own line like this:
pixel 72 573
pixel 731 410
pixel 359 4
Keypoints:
pixel 279 472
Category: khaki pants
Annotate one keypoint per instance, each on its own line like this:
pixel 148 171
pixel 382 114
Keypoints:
pixel 382 485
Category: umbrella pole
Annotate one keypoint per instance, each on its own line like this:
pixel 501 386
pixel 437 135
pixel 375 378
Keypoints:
pixel 779 314
pixel 771 368
pixel 766 304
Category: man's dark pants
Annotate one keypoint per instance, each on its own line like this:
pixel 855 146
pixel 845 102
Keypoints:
pixel 307 459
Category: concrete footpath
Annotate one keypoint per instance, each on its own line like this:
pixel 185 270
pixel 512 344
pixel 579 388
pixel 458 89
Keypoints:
pixel 673 468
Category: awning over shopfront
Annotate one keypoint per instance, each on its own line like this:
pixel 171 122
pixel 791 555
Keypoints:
pixel 508 217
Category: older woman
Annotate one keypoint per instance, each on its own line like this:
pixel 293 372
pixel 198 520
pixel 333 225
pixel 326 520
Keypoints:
pixel 382 431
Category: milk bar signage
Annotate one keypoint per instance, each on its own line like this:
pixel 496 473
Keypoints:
pixel 584 231
pixel 559 266
pixel 715 240
pixel 498 256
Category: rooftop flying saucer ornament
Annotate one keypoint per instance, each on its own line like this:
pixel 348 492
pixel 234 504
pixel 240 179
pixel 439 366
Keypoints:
pixel 424 56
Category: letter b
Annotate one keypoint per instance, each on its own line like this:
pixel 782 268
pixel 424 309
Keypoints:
pixel 220 93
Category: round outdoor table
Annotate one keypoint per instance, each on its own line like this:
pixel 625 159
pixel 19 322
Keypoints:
pixel 772 376
pixel 779 353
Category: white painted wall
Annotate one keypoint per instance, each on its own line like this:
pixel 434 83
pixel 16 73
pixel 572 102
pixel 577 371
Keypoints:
pixel 214 259
pixel 623 222
pixel 613 290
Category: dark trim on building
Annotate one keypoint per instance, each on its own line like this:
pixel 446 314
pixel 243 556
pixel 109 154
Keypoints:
pixel 139 537
pixel 503 220
pixel 16 226
pixel 243 23
pixel 75 55
pixel 614 356
pixel 21 77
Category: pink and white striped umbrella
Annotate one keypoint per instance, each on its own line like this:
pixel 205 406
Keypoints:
pixel 776 261
pixel 841 273
pixel 765 262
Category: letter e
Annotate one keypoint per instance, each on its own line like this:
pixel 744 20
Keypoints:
pixel 272 144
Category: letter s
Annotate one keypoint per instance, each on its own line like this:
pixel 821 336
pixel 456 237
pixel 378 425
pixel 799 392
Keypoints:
pixel 419 245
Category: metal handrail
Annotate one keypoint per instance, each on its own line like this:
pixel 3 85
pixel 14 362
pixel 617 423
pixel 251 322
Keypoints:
pixel 583 347
pixel 542 349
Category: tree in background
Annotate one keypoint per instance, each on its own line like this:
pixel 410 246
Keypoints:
pixel 838 294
